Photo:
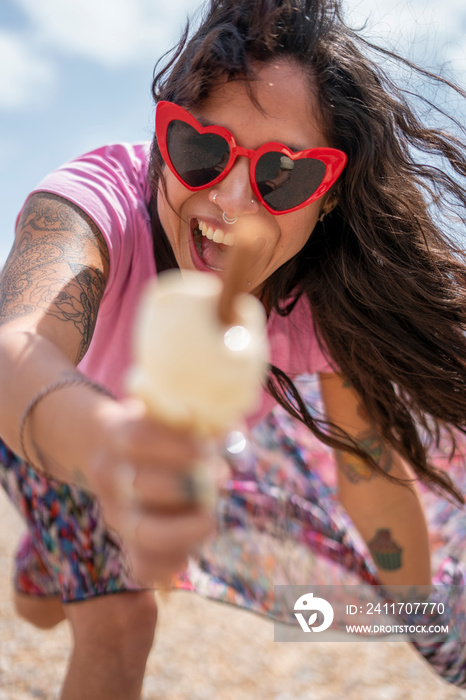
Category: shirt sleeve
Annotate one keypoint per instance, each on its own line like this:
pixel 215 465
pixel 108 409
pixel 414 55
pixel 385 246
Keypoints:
pixel 109 185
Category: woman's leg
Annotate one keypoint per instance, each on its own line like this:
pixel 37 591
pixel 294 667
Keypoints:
pixel 113 635
pixel 69 554
pixel 44 613
pixel 36 596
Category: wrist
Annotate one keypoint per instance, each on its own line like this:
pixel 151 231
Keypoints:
pixel 38 443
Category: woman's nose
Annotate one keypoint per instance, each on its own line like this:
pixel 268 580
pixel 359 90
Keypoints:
pixel 234 193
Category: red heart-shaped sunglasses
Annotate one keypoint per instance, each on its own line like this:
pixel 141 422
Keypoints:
pixel 282 180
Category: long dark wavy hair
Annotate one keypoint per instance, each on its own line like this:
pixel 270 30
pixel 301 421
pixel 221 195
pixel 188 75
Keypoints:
pixel 386 284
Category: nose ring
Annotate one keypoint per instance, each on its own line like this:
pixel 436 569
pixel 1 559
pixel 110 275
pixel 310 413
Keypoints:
pixel 227 219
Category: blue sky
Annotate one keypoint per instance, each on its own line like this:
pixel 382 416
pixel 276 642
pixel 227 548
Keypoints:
pixel 75 74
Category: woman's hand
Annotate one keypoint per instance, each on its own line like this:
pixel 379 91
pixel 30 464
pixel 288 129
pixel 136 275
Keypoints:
pixel 152 482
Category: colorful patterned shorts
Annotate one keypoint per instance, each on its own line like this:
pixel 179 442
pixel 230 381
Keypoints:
pixel 279 523
pixel 67 550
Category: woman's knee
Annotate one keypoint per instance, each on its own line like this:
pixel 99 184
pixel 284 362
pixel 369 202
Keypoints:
pixel 116 621
pixel 43 613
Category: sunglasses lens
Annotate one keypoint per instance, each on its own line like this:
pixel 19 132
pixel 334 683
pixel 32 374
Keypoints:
pixel 285 183
pixel 197 158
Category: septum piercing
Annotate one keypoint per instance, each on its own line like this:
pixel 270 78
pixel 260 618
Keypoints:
pixel 227 219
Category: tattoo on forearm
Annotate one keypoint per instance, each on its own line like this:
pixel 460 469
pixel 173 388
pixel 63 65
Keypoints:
pixel 354 468
pixel 386 552
pixel 45 269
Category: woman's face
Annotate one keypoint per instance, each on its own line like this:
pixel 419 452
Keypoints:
pixel 288 114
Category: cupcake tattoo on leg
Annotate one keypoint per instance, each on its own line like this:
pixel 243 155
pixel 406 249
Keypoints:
pixel 386 552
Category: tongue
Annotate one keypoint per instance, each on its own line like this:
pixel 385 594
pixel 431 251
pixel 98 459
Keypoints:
pixel 213 254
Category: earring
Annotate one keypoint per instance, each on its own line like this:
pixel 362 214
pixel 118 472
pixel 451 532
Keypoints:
pixel 326 209
pixel 329 205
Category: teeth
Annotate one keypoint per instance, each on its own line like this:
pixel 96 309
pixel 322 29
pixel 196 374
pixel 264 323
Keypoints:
pixel 216 235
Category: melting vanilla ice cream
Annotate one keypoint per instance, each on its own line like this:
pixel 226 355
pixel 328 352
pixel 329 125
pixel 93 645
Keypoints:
pixel 190 369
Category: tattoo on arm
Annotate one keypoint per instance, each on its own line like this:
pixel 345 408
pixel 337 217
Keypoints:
pixel 386 552
pixel 354 468
pixel 78 303
pixel 47 269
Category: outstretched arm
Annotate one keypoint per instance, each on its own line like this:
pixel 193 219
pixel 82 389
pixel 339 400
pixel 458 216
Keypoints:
pixel 50 292
pixel 388 515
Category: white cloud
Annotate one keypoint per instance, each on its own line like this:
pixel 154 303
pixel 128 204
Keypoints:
pixel 109 32
pixel 115 33
pixel 26 79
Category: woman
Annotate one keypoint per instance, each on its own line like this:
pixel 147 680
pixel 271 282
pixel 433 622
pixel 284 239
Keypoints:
pixel 359 284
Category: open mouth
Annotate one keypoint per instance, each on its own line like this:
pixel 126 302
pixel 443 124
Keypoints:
pixel 211 244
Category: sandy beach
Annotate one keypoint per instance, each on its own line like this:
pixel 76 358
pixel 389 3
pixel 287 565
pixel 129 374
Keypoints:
pixel 209 651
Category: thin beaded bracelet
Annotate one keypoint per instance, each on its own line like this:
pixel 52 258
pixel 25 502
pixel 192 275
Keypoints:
pixel 72 380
